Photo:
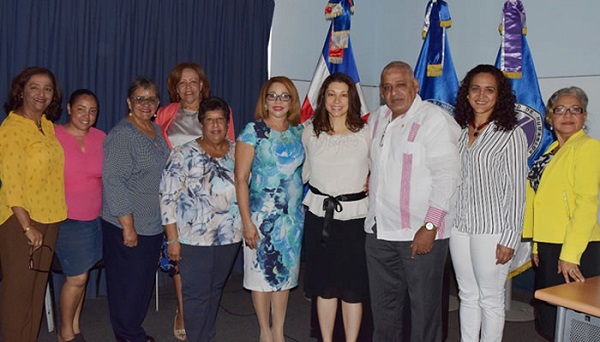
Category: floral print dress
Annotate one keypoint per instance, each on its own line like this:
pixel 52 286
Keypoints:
pixel 275 207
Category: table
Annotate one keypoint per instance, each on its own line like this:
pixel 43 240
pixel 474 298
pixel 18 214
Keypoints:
pixel 583 297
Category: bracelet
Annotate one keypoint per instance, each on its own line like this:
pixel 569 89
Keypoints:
pixel 171 241
pixel 26 229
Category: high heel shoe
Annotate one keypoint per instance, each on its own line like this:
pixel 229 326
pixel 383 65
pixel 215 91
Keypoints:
pixel 178 333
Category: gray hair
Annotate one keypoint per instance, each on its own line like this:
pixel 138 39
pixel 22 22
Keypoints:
pixel 575 91
pixel 397 65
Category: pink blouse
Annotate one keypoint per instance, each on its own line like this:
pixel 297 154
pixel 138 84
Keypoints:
pixel 83 173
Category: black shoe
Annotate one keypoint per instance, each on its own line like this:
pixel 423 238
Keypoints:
pixel 122 339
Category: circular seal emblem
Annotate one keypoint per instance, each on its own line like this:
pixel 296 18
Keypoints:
pixel 445 105
pixel 532 124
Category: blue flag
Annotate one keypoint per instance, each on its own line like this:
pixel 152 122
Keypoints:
pixel 435 69
pixel 514 59
pixel 336 56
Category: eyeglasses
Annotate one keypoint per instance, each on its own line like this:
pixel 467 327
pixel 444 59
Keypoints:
pixel 284 97
pixel 145 100
pixel 31 252
pixel 563 110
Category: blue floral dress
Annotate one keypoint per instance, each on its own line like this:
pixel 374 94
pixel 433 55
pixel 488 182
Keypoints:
pixel 275 207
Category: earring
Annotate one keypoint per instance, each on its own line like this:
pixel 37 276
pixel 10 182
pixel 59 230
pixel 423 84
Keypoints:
pixel 266 108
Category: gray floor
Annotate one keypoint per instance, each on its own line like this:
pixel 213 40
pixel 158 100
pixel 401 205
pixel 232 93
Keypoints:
pixel 236 321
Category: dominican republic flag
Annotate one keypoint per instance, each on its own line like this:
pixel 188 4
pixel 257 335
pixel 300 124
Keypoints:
pixel 435 69
pixel 515 61
pixel 337 56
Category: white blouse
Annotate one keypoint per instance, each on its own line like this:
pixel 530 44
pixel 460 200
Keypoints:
pixel 336 165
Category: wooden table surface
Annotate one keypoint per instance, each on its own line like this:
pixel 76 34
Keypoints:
pixel 583 297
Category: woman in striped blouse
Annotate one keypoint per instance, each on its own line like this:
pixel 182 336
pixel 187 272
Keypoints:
pixel 490 202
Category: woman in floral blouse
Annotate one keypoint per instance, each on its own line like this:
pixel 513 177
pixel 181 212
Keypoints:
pixel 201 217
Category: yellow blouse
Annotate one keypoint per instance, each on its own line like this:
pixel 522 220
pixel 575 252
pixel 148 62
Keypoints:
pixel 564 210
pixel 31 170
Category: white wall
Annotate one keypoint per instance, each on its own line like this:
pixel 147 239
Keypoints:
pixel 562 36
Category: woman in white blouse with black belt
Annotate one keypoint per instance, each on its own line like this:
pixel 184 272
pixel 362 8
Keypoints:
pixel 491 200
pixel 336 167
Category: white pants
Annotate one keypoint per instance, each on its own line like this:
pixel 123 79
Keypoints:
pixel 480 285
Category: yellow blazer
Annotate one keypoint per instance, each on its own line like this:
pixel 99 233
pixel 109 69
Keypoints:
pixel 564 210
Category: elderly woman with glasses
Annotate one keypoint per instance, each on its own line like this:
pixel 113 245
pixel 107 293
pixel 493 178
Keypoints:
pixel 201 217
pixel 188 87
pixel 135 154
pixel 561 212
pixel 268 181
pixel 32 199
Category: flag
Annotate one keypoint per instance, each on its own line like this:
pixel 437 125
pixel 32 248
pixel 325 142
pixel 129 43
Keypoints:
pixel 336 56
pixel 435 69
pixel 515 61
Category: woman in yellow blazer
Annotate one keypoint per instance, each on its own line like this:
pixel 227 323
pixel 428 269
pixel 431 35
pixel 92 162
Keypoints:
pixel 561 212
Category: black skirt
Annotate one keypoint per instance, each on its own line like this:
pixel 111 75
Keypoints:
pixel 337 269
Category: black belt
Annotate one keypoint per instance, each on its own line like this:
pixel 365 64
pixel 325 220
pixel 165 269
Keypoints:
pixel 334 203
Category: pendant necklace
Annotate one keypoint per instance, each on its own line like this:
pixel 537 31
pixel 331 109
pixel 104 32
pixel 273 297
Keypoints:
pixel 478 128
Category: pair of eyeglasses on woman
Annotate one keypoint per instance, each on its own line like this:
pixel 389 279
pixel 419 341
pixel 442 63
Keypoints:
pixel 283 97
pixel 31 262
pixel 564 110
pixel 145 100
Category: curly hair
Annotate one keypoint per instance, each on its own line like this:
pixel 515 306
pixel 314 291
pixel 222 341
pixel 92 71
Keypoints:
pixel 17 87
pixel 293 114
pixel 175 76
pixel 321 121
pixel 503 115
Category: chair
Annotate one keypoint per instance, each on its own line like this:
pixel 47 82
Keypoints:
pixel 49 302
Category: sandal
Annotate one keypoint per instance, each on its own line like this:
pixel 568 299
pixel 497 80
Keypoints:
pixel 178 333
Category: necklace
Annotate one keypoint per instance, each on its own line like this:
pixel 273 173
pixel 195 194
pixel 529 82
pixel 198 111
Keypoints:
pixel 478 128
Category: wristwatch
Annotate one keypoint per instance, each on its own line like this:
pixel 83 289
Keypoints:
pixel 429 226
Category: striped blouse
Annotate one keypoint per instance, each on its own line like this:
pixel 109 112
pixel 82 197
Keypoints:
pixel 131 172
pixel 491 196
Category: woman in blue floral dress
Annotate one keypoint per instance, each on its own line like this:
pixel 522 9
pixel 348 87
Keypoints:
pixel 268 177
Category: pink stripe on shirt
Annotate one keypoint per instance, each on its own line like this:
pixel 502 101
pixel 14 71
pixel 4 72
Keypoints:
pixel 437 216
pixel 405 191
pixel 413 131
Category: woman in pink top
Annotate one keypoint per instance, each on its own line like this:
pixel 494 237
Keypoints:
pixel 79 244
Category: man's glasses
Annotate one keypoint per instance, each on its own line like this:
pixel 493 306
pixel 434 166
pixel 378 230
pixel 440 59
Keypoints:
pixel 283 97
pixel 31 252
pixel 564 110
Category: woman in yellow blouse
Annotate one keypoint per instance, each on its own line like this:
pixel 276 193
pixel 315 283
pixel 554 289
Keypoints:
pixel 32 199
pixel 562 202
